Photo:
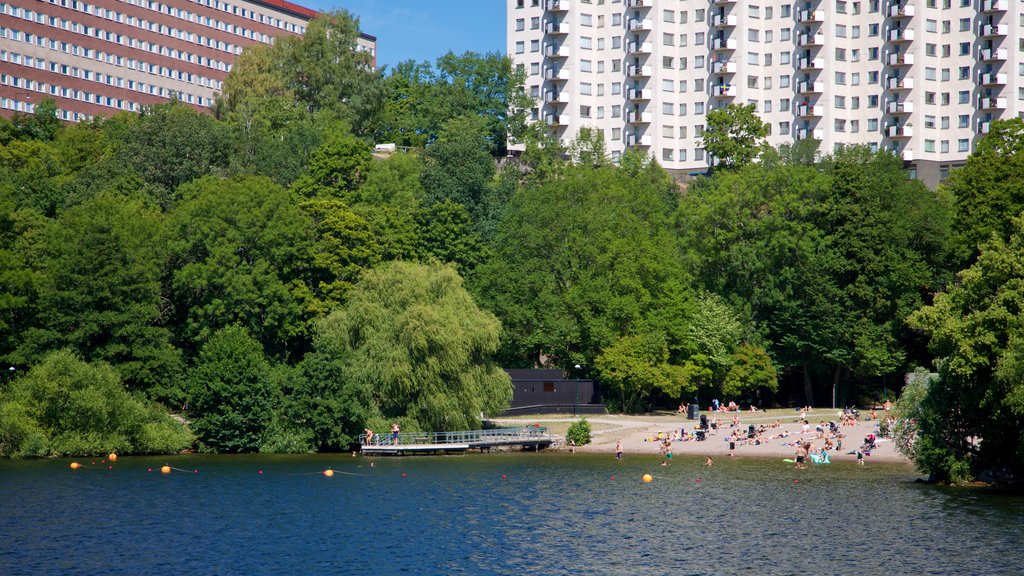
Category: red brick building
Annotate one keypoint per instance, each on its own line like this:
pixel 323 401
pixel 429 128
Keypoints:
pixel 97 57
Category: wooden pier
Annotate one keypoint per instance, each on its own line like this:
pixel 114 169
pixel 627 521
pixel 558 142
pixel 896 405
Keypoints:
pixel 529 438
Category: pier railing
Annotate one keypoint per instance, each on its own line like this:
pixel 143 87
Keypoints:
pixel 473 438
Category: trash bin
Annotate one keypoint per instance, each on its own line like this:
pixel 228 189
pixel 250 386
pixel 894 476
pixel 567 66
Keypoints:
pixel 750 431
pixel 692 412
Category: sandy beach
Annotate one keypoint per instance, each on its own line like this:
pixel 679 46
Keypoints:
pixel 635 433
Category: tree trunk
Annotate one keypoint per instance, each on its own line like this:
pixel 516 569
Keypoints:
pixel 835 384
pixel 808 387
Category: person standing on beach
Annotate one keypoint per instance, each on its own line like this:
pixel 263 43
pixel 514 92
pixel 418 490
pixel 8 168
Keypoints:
pixel 618 449
pixel 801 455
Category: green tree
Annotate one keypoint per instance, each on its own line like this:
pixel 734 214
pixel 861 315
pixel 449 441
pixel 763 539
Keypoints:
pixel 752 370
pixel 238 252
pixel 413 338
pixel 458 166
pixel 231 396
pixel 635 367
pixel 336 169
pixel 64 406
pixel 100 291
pixel 735 135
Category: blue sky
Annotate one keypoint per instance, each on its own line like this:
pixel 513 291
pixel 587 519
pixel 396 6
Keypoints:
pixel 425 29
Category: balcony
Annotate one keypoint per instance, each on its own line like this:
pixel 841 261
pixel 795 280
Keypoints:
pixel 895 131
pixel 634 117
pixel 808 111
pixel 899 108
pixel 811 63
pixel 724 67
pixel 900 59
pixel 636 94
pixel 723 91
pixel 806 40
pixel 722 2
pixel 994 6
pixel 723 20
pixel 639 71
pixel 992 30
pixel 639 4
pixel 636 140
pixel 556 74
pixel 724 44
pixel 555 51
pixel 897 35
pixel 806 87
pixel 894 83
pixel 906 11
pixel 807 16
pixel 805 133
pixel 638 24
pixel 639 48
pixel 991 103
pixel 984 126
pixel 556 28
pixel 992 79
pixel 554 98
pixel 556 119
pixel 992 54
pixel 558 5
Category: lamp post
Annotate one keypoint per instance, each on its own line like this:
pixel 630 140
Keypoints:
pixel 576 406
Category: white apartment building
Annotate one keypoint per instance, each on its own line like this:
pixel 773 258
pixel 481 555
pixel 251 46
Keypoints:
pixel 923 78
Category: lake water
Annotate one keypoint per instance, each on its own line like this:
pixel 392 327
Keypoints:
pixel 551 514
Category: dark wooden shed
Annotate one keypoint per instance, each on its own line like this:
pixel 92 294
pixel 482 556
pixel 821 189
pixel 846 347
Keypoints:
pixel 544 391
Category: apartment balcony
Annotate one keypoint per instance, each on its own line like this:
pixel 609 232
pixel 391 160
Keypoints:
pixel 807 16
pixel 992 54
pixel 639 48
pixel 556 74
pixel 805 133
pixel 634 117
pixel 640 71
pixel 724 67
pixel 907 154
pixel 724 44
pixel 906 11
pixel 724 20
pixel 806 87
pixel 558 5
pixel 637 140
pixel 638 94
pixel 722 2
pixel 808 111
pixel 556 28
pixel 554 98
pixel 897 35
pixel 639 4
pixel 807 40
pixel 992 79
pixel 896 131
pixel 988 6
pixel 811 63
pixel 561 120
pixel 900 59
pixel 992 30
pixel 641 24
pixel 723 91
pixel 991 103
pixel 894 83
pixel 984 126
pixel 899 108
pixel 555 51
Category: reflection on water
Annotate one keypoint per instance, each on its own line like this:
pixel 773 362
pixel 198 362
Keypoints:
pixel 551 514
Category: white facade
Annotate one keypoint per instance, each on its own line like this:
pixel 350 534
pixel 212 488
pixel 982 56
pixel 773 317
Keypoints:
pixel 921 77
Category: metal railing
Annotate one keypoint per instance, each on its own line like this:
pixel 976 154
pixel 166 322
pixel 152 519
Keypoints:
pixel 470 437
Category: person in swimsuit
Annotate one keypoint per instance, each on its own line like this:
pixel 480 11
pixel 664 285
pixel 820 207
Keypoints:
pixel 394 433
pixel 618 449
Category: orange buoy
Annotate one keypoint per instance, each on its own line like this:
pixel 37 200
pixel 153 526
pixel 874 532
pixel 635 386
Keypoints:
pixel 165 469
pixel 328 472
pixel 75 465
pixel 112 457
pixel 648 478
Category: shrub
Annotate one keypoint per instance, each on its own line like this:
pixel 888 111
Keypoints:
pixel 579 432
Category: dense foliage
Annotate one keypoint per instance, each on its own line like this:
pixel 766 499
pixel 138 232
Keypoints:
pixel 267 275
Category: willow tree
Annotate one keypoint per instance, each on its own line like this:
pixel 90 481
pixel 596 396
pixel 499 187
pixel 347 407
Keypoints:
pixel 414 340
